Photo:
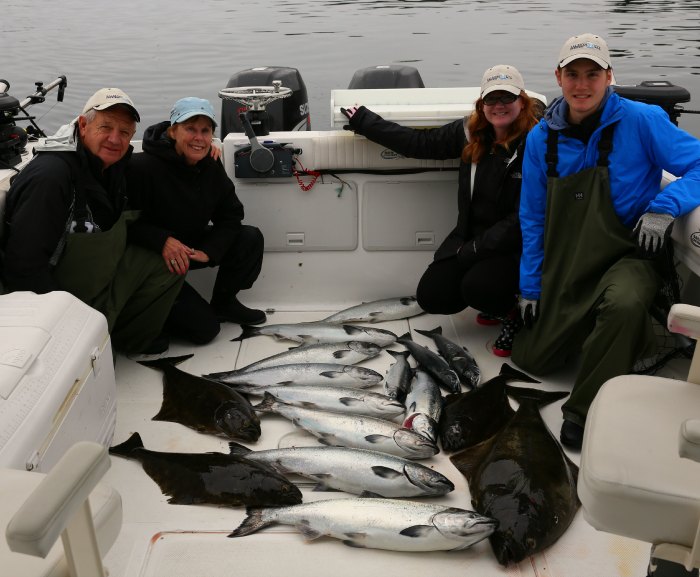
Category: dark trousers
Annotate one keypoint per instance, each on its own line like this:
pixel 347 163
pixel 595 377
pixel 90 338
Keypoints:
pixel 192 318
pixel 488 285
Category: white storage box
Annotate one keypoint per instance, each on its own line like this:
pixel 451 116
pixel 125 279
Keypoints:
pixel 57 382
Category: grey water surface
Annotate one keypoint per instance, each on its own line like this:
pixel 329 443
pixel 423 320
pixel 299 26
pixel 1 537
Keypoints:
pixel 159 51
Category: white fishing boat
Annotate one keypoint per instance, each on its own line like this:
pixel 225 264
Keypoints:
pixel 345 221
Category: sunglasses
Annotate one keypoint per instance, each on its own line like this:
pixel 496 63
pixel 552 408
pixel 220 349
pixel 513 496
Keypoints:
pixel 505 98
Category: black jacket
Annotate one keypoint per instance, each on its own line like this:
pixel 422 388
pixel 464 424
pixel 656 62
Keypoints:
pixel 179 200
pixel 39 205
pixel 487 220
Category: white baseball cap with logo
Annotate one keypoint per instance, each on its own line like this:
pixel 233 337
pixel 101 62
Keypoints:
pixel 502 77
pixel 106 97
pixel 587 46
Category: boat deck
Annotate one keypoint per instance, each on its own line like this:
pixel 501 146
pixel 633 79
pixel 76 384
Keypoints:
pixel 159 539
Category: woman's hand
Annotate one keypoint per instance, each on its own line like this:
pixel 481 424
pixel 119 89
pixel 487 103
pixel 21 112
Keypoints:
pixel 215 151
pixel 199 256
pixel 177 256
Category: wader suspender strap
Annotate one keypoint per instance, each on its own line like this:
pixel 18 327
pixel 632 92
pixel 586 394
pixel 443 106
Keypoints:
pixel 77 212
pixel 552 156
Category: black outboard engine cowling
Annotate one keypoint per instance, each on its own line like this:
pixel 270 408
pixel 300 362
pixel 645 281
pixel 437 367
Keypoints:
pixel 13 138
pixel 386 76
pixel 290 113
pixel 659 92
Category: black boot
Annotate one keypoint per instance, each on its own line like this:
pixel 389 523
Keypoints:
pixel 571 435
pixel 236 312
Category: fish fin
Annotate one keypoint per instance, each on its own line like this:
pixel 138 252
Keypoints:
pixel 331 374
pixel 397 354
pixel 322 487
pixel 308 531
pixel 386 472
pixel 370 495
pixel 513 374
pixel 539 396
pixel 351 543
pixel 238 449
pixel 407 300
pixel 165 362
pixel 247 331
pixel 307 405
pixel 326 439
pixel 376 438
pixel 284 383
pixel 351 329
pixel 436 331
pixel 125 448
pixel 181 500
pixel 340 354
pixel 252 523
pixel 349 401
pixel 417 531
pixel 374 317
pixel 468 459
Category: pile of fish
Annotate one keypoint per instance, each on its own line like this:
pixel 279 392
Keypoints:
pixel 522 484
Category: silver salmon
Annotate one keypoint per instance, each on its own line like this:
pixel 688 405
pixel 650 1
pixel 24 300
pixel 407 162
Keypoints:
pixel 320 332
pixel 379 310
pixel 358 471
pixel 377 523
pixel 330 374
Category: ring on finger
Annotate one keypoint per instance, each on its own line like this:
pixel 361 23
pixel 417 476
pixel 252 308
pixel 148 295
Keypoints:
pixel 173 261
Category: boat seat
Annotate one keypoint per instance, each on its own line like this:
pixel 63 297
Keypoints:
pixel 640 475
pixel 67 502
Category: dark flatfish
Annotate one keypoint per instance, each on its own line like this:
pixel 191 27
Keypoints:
pixel 461 361
pixel 203 405
pixel 432 363
pixel 214 478
pixel 474 416
pixel 522 477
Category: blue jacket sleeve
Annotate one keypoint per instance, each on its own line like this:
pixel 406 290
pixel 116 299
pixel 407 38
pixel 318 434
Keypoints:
pixel 533 203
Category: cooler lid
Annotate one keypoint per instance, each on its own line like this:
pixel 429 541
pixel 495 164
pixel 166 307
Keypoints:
pixel 19 346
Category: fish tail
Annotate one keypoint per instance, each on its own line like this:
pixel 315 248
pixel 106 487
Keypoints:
pixel 166 362
pixel 405 337
pixel 125 448
pixel 539 396
pixel 238 449
pixel 267 404
pixel 436 331
pixel 515 375
pixel 247 332
pixel 252 523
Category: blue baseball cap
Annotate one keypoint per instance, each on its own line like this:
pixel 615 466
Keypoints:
pixel 191 106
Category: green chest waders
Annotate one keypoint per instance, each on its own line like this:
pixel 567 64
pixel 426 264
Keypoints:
pixel 130 285
pixel 591 283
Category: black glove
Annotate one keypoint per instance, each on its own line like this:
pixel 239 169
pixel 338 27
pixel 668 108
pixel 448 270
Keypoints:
pixel 529 310
pixel 349 113
pixel 651 231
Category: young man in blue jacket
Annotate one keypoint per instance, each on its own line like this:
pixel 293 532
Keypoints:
pixel 594 220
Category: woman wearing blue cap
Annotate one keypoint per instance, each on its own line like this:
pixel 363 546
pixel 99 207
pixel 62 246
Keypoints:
pixel 180 189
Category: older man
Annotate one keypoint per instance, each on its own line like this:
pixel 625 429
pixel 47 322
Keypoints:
pixel 66 222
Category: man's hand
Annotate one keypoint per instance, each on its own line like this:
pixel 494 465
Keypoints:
pixel 651 231
pixel 529 310
pixel 177 256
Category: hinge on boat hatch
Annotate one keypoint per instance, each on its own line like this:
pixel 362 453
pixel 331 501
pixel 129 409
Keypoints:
pixel 33 461
pixel 94 357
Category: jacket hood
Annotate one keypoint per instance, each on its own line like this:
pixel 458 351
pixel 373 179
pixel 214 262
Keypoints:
pixel 64 140
pixel 555 114
pixel 157 142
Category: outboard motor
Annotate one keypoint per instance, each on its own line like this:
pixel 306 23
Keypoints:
pixel 659 92
pixel 13 138
pixel 387 76
pixel 291 113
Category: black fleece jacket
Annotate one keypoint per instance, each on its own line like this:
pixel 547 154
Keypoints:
pixel 179 200
pixel 488 219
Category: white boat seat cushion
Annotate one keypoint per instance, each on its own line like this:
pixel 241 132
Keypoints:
pixel 633 481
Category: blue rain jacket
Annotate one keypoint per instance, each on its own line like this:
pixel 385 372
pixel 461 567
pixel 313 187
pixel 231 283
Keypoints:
pixel 645 142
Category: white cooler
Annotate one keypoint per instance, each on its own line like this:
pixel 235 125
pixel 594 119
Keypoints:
pixel 57 382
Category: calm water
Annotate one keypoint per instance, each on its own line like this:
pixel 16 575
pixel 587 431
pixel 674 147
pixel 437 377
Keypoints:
pixel 161 50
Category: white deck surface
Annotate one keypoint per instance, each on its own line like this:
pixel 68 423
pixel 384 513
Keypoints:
pixel 163 540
